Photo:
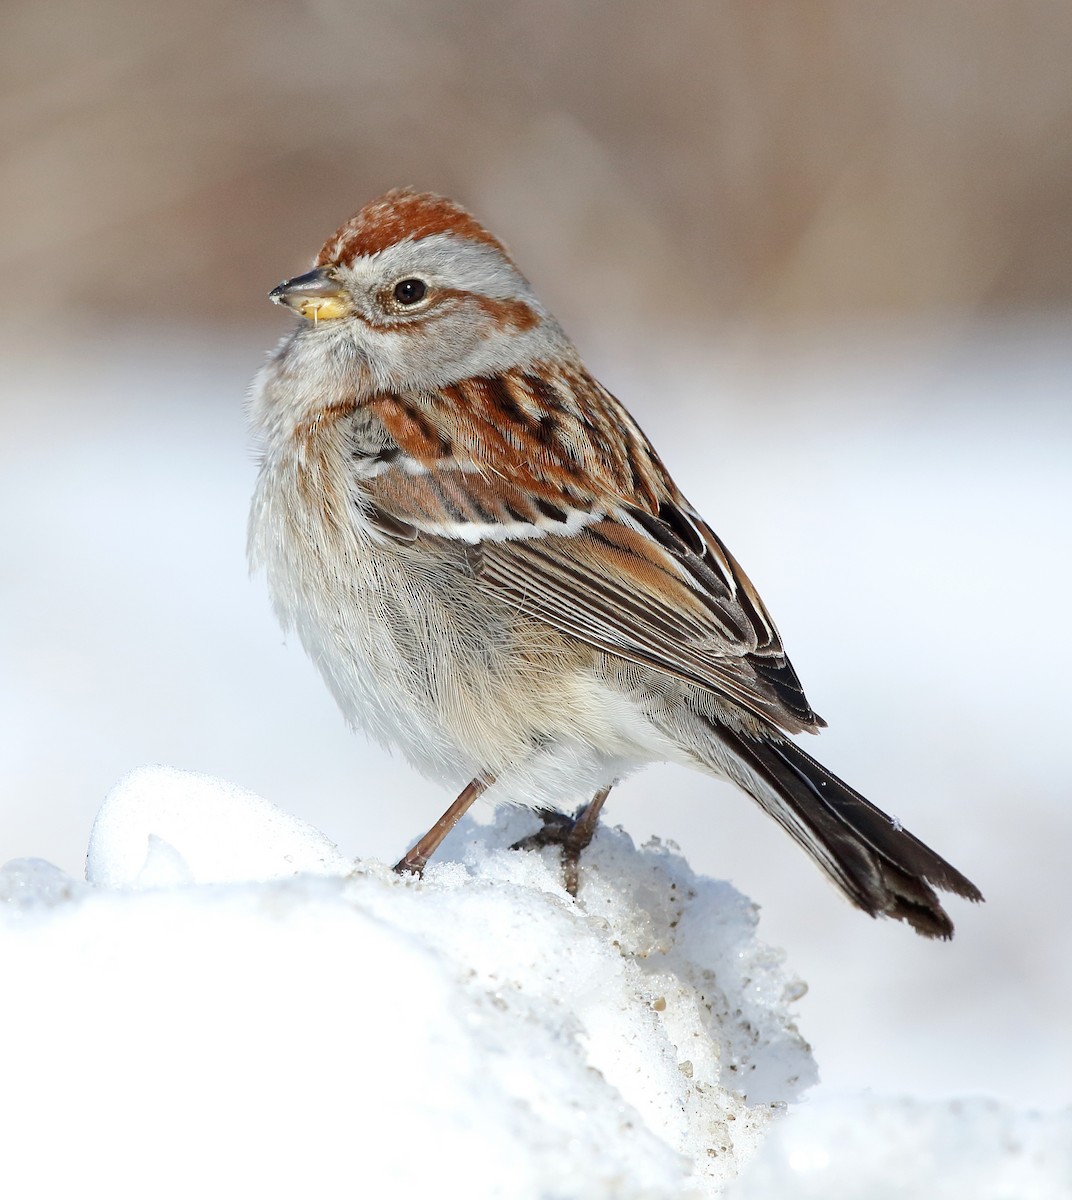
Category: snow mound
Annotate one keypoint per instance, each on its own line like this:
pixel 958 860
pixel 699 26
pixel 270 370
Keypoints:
pixel 218 1013
pixel 228 835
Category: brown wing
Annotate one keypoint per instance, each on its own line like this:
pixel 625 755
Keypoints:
pixel 580 525
pixel 620 590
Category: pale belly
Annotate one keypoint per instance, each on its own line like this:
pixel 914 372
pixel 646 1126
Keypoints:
pixel 419 658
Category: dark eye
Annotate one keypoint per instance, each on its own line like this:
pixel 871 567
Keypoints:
pixel 410 291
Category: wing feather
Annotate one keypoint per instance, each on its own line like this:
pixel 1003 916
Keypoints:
pixel 612 554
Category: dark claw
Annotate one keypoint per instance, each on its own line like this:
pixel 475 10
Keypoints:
pixel 571 834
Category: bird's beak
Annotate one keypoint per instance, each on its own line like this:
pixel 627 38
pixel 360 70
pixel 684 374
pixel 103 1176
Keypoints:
pixel 315 295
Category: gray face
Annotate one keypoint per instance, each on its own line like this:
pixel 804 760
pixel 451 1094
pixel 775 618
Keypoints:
pixel 421 314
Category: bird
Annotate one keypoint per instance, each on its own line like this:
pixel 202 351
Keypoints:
pixel 496 575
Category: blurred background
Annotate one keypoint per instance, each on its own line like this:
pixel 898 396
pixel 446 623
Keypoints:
pixel 735 160
pixel 823 251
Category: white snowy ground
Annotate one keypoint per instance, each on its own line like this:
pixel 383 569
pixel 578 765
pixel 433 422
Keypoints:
pixel 231 1007
pixel 903 504
pixel 235 1009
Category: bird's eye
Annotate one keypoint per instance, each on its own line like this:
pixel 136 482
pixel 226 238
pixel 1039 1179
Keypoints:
pixel 410 291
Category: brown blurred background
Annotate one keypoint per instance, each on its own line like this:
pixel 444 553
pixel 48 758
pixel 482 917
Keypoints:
pixel 686 162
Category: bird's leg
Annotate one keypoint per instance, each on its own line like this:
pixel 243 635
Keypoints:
pixel 571 833
pixel 417 858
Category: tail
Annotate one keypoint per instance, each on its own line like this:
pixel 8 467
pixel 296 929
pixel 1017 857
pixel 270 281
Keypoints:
pixel 881 867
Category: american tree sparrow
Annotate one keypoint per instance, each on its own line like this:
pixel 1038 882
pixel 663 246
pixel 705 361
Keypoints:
pixel 495 573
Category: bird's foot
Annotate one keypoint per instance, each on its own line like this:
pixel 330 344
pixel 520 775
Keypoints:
pixel 571 834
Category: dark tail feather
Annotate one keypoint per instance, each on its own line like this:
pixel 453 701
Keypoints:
pixel 882 868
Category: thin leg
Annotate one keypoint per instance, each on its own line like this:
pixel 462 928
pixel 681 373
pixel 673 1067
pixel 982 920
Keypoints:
pixel 416 860
pixel 573 834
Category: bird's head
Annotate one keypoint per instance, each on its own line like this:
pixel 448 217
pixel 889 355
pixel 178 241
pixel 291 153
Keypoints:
pixel 421 294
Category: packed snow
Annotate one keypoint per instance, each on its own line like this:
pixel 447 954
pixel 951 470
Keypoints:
pixel 228 1006
pixel 301 1025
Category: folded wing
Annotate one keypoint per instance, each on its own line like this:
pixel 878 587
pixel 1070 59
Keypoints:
pixel 576 521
